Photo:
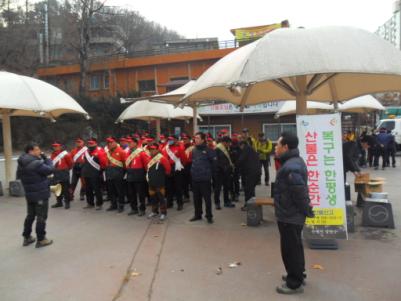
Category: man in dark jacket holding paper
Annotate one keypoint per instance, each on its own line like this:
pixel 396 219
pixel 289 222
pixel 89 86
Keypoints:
pixel 292 205
pixel 33 171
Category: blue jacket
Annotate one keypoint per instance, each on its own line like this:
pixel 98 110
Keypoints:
pixel 384 139
pixel 33 173
pixel 204 163
pixel 291 196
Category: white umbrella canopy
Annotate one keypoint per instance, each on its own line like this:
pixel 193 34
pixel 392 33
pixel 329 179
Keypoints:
pixel 330 63
pixel 289 108
pixel 363 104
pixel 27 96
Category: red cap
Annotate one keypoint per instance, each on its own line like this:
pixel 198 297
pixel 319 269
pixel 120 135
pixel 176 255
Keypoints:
pixel 56 143
pixel 136 136
pixel 223 131
pixel 129 139
pixel 123 139
pixel 149 140
pixel 171 138
pixel 153 146
pixel 209 139
pixel 79 140
pixel 110 140
pixel 162 137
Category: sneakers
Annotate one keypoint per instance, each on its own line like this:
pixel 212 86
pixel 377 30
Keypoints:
pixel 57 205
pixel 162 217
pixel 43 243
pixel 28 240
pixel 152 215
pixel 195 218
pixel 133 212
pixel 284 289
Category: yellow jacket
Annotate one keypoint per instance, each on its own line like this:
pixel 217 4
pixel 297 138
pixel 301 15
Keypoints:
pixel 264 149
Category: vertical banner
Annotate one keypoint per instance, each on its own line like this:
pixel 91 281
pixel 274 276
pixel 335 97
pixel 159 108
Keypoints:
pixel 320 145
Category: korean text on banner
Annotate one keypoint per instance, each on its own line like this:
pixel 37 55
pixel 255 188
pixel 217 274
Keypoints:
pixel 320 144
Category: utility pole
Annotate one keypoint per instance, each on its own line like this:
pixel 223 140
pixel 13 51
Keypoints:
pixel 46 34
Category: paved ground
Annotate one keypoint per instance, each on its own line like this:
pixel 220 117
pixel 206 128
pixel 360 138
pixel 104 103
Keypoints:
pixel 96 255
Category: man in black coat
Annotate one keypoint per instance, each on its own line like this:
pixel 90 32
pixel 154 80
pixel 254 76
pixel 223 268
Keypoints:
pixel 225 169
pixel 204 165
pixel 350 157
pixel 291 205
pixel 250 169
pixel 33 171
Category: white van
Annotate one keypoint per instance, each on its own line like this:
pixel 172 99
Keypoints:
pixel 393 125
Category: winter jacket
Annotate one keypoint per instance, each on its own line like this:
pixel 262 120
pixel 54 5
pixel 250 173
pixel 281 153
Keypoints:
pixel 33 173
pixel 264 149
pixel 224 166
pixel 204 163
pixel 99 156
pixel 248 162
pixel 350 156
pixel 136 169
pixel 291 196
pixel 384 139
pixel 157 173
pixel 62 167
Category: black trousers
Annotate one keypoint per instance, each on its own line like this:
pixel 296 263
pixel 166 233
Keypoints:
pixel 65 192
pixel 292 253
pixel 391 154
pixel 94 188
pixel 115 192
pixel 222 181
pixel 76 176
pixel 137 190
pixel 174 187
pixel 202 190
pixel 38 210
pixel 235 182
pixel 186 180
pixel 265 166
pixel 250 181
pixel 380 152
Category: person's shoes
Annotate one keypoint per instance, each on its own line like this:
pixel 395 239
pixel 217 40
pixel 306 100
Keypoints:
pixel 284 289
pixel 89 207
pixel 57 205
pixel 383 168
pixel 229 205
pixel 218 207
pixel 393 165
pixel 43 243
pixel 111 208
pixel 141 213
pixel 376 167
pixel 284 278
pixel 133 212
pixel 186 200
pixel 120 209
pixel 210 220
pixel 28 240
pixel 152 215
pixel 244 208
pixel 259 183
pixel 169 205
pixel 99 207
pixel 82 198
pixel 179 207
pixel 162 217
pixel 267 184
pixel 67 205
pixel 195 218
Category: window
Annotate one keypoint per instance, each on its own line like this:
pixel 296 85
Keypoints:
pixel 215 129
pixel 106 80
pixel 95 82
pixel 147 85
pixel 273 131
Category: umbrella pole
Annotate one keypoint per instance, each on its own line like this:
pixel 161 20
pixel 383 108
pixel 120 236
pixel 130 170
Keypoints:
pixel 158 129
pixel 301 95
pixel 7 144
pixel 195 119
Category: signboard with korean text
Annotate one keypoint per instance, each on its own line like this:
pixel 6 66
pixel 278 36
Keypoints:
pixel 229 108
pixel 320 145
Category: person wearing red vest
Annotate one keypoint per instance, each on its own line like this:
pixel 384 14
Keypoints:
pixel 175 154
pixel 94 163
pixel 158 169
pixel 188 146
pixel 136 164
pixel 115 171
pixel 62 163
pixel 77 154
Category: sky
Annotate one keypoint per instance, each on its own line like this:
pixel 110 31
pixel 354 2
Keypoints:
pixel 215 18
